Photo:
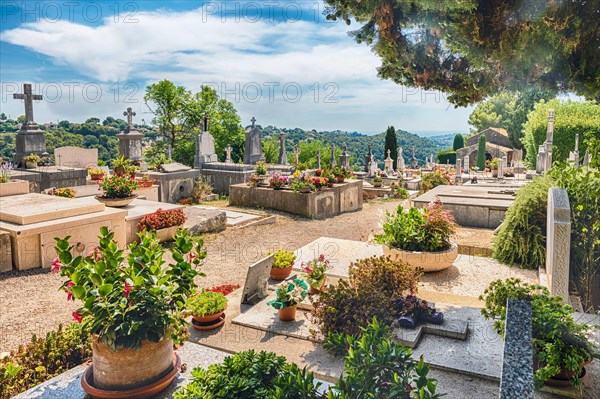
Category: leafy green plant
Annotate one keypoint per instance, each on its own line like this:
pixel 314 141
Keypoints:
pixel 401 192
pixel 118 186
pixel 428 229
pixel 493 164
pixel 260 169
pixel 289 293
pixel 449 155
pixel 558 342
pixel 376 366
pixel 32 158
pixel 433 179
pixel 206 303
pixel 283 258
pixel 315 271
pixel 370 291
pixel 131 297
pixel 44 358
pixel 120 162
pixel 339 171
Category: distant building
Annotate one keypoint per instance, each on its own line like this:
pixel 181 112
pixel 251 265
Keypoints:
pixel 51 126
pixel 497 145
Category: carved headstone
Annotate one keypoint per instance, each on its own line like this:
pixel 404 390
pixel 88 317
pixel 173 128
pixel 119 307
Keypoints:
pixel 332 155
pixel 458 167
pixel 253 146
pixel 205 146
pixel 30 139
pixel 228 150
pixel 467 166
pixel 400 162
pixel 501 163
pixel 130 140
pixel 587 158
pixel 282 160
pixel 344 157
pixel 558 242
pixel 76 157
pixel 388 164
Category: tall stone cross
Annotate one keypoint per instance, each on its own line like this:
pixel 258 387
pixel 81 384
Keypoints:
pixel 129 114
pixel 282 159
pixel 205 123
pixel 228 154
pixel 297 154
pixel 253 120
pixel 28 97
pixel 333 163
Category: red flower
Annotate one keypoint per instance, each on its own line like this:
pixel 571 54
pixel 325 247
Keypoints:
pixel 56 265
pixel 77 317
pixel 95 254
pixel 69 293
pixel 190 256
pixel 127 289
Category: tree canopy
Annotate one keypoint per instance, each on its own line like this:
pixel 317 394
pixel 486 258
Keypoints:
pixel 473 49
pixel 459 142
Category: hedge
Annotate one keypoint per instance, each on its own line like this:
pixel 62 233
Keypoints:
pixel 445 156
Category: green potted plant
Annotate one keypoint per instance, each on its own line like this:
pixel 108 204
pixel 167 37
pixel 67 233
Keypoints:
pixel 207 309
pixel 327 174
pixel 341 173
pixel 288 295
pixel 130 170
pixel 146 181
pixel 283 261
pixel 493 164
pixel 31 161
pixel 315 273
pixel 117 191
pixel 163 222
pixel 377 181
pixel 96 174
pixel 260 173
pixel 561 347
pixel 119 165
pixel 302 183
pixel 420 237
pixel 132 304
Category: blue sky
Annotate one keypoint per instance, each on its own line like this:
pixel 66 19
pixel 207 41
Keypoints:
pixel 279 61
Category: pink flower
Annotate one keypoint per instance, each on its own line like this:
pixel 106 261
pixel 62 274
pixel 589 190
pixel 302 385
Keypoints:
pixel 307 269
pixel 69 293
pixel 95 254
pixel 321 257
pixel 77 317
pixel 56 265
pixel 127 289
pixel 190 257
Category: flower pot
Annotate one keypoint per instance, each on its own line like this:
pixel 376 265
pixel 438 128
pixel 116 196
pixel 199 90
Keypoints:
pixel 210 317
pixel 146 391
pixel 30 164
pixel 313 291
pixel 146 184
pixel 340 179
pixel 210 325
pixel 287 314
pixel 166 234
pixel 330 184
pixel 126 369
pixel 377 185
pixel 116 202
pixel 14 187
pixel 428 261
pixel 119 170
pixel 564 378
pixel 281 273
pixel 494 172
pixel 96 177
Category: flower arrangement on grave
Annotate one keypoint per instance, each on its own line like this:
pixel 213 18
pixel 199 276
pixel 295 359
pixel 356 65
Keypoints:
pixel 318 172
pixel 130 170
pixel 509 173
pixel 132 304
pixel 207 309
pixel 493 164
pixel 319 182
pixel 146 181
pixel 118 186
pixel 411 310
pixel 5 169
pixel 342 173
pixel 62 192
pixel 96 173
pixel 31 161
pixel 224 289
pixel 287 296
pixel 164 222
pixel 119 164
pixel 315 273
pixel 260 168
pixel 278 181
pixel 303 183
pixel 378 181
pixel 283 261
pixel 328 174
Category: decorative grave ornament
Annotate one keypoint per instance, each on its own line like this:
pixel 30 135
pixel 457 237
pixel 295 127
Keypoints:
pixel 388 164
pixel 344 157
pixel 130 140
pixel 30 138
pixel 228 150
pixel 253 146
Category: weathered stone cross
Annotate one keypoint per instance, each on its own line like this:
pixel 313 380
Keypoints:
pixel 228 154
pixel 297 154
pixel 205 123
pixel 28 97
pixel 129 114
pixel 253 120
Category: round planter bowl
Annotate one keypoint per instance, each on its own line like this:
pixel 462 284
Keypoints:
pixel 30 165
pixel 166 234
pixel 428 261
pixel 287 314
pixel 209 326
pixel 97 177
pixel 279 273
pixel 116 202
pixel 144 392
pixel 209 318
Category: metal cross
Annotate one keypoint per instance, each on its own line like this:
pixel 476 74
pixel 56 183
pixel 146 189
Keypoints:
pixel 205 123
pixel 28 97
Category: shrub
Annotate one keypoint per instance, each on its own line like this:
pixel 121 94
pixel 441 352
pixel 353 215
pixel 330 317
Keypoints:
pixel 481 152
pixel 434 179
pixel 459 142
pixel 373 285
pixel 283 258
pixel 428 229
pixel 117 186
pixel 206 303
pixel 401 192
pixel 162 219
pixel 44 358
pixel 251 375
pixel 447 156
pixel 558 342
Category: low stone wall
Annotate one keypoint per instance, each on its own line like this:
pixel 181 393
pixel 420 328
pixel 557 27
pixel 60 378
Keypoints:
pixel 175 185
pixel 222 175
pixel 345 197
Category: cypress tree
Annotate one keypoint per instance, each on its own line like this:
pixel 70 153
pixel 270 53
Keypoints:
pixel 459 142
pixel 481 153
pixel 391 143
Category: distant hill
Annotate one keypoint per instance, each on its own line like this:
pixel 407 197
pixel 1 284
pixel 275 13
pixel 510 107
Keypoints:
pixel 444 140
pixel 358 143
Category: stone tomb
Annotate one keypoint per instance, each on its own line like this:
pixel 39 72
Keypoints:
pixel 76 157
pixel 44 177
pixel 176 183
pixel 33 220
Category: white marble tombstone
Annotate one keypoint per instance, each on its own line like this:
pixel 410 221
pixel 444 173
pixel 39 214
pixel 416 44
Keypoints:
pixel 467 166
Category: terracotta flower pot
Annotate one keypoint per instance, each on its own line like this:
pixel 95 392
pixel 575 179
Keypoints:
pixel 97 176
pixel 313 291
pixel 209 317
pixel 340 179
pixel 564 378
pixel 287 314
pixel 126 369
pixel 281 273
pixel 146 184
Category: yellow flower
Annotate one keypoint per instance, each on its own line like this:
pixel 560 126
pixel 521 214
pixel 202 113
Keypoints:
pixel 296 174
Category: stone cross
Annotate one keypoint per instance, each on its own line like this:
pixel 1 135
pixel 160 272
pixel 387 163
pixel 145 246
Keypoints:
pixel 318 159
pixel 253 120
pixel 28 97
pixel 333 155
pixel 205 123
pixel 228 154
pixel 282 152
pixel 297 154
pixel 169 151
pixel 574 155
pixel 400 162
pixel 414 163
pixel 431 160
pixel 388 163
pixel 458 167
pixel 129 114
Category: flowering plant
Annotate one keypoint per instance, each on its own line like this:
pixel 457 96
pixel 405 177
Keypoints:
pixel 319 181
pixel 118 186
pixel 342 172
pixel 32 158
pixel 302 181
pixel 278 181
pixel 129 298
pixel 289 293
pixel 162 219
pixel 62 192
pixel 224 289
pixel 260 169
pixel 315 271
pixel 327 174
pixel 283 258
pixel 96 171
pixel 5 169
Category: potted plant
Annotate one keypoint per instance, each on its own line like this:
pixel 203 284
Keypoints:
pixel 278 181
pixel 493 164
pixel 302 183
pixel 163 222
pixel 146 181
pixel 420 237
pixel 283 261
pixel 119 165
pixel 341 173
pixel 260 173
pixel 207 309
pixel 327 174
pixel 31 161
pixel 117 191
pixel 130 170
pixel 132 304
pixel 288 295
pixel 561 347
pixel 320 182
pixel 315 275
pixel 377 181
pixel 96 173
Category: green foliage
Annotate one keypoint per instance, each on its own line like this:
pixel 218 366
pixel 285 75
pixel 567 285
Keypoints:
pixel 270 149
pixel 481 153
pixel 458 143
pixel 401 192
pixel 289 293
pixel 558 342
pixel 32 158
pixel 251 375
pixel 391 143
pixel 283 258
pixel 474 49
pixel 116 186
pixel 44 358
pixel 494 112
pixel 522 236
pixel 428 229
pixel 570 118
pixel 134 297
pixel 206 303
pixel 373 285
pixel 377 367
pixel 434 179
pixel 447 156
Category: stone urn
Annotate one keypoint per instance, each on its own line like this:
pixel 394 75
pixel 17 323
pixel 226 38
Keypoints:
pixel 31 164
pixel 428 261
pixel 116 202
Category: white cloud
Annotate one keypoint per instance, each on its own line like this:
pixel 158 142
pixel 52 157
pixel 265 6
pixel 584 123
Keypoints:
pixel 192 48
